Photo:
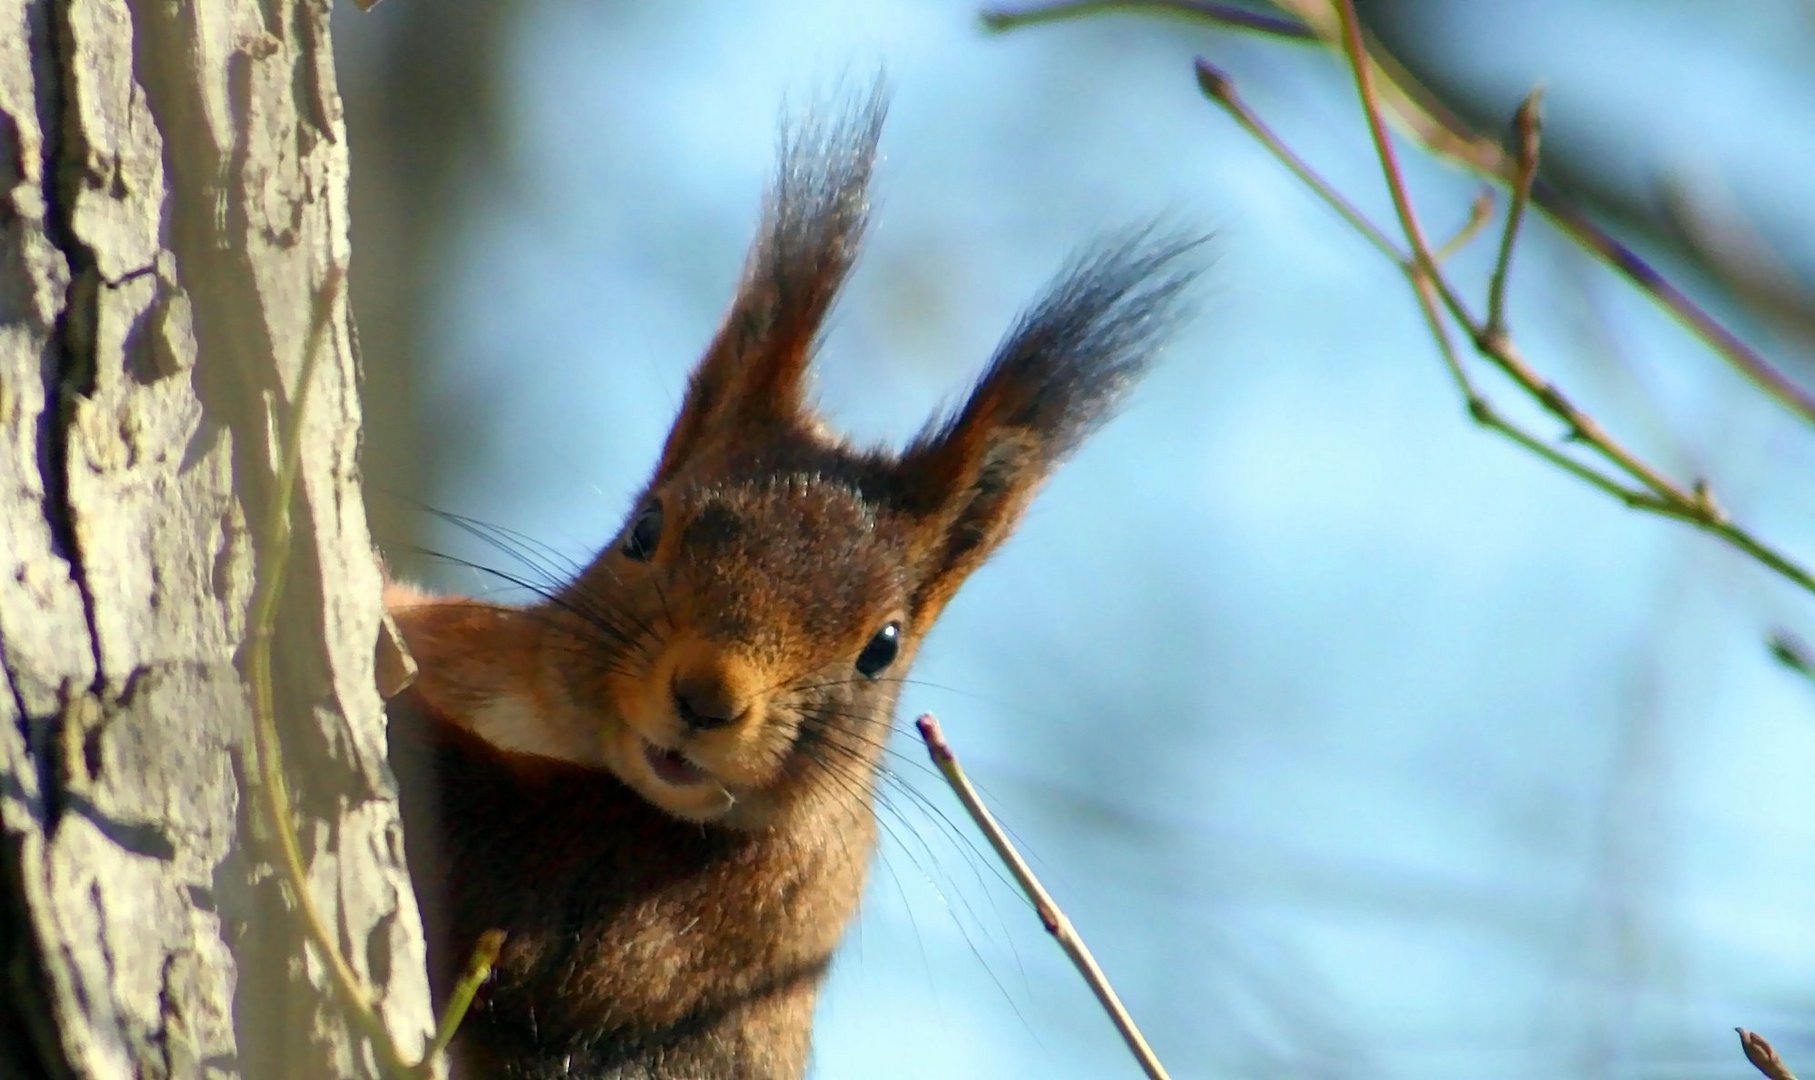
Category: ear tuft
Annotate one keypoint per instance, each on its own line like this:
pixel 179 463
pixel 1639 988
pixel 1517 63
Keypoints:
pixel 1059 373
pixel 1071 357
pixel 813 223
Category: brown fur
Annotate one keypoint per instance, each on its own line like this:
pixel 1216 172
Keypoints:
pixel 664 928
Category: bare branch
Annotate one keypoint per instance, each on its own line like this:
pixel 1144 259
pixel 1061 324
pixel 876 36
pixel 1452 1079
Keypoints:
pixel 1050 914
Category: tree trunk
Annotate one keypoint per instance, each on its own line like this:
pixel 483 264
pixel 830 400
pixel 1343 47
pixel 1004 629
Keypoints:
pixel 172 211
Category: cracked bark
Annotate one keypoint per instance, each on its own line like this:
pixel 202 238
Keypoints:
pixel 172 200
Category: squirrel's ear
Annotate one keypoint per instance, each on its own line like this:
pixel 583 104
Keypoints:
pixel 754 372
pixel 1058 374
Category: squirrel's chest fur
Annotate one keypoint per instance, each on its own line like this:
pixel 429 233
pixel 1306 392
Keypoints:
pixel 636 945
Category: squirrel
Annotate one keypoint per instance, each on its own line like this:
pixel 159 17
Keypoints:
pixel 658 779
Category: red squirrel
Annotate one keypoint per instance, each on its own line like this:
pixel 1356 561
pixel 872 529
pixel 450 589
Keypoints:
pixel 658 779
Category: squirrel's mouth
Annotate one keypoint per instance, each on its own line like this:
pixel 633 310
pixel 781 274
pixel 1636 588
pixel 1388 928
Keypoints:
pixel 672 767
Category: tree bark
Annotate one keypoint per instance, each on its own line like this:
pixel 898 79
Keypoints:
pixel 172 211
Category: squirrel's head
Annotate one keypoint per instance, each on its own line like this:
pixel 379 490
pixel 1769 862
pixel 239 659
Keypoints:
pixel 739 646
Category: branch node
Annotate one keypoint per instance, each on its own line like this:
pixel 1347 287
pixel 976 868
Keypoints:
pixel 1554 400
pixel 1492 340
pixel 1705 503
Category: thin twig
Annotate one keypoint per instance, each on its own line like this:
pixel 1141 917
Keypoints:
pixel 1477 405
pixel 1230 15
pixel 1050 914
pixel 267 592
pixel 1383 146
pixel 1218 87
pixel 1763 1055
pixel 1528 125
pixel 1421 268
pixel 1480 212
pixel 478 969
pixel 274 792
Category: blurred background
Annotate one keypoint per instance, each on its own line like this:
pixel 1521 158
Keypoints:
pixel 1357 741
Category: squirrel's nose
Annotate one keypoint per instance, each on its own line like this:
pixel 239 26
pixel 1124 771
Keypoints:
pixel 704 702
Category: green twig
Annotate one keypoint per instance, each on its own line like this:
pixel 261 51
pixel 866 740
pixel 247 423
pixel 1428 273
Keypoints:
pixel 1050 914
pixel 274 792
pixel 478 969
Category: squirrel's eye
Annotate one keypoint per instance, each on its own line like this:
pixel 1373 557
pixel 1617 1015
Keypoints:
pixel 645 533
pixel 880 652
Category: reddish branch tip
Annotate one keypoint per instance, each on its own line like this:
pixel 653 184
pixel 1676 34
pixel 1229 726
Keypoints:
pixel 1530 117
pixel 1763 1055
pixel 1214 81
pixel 934 738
